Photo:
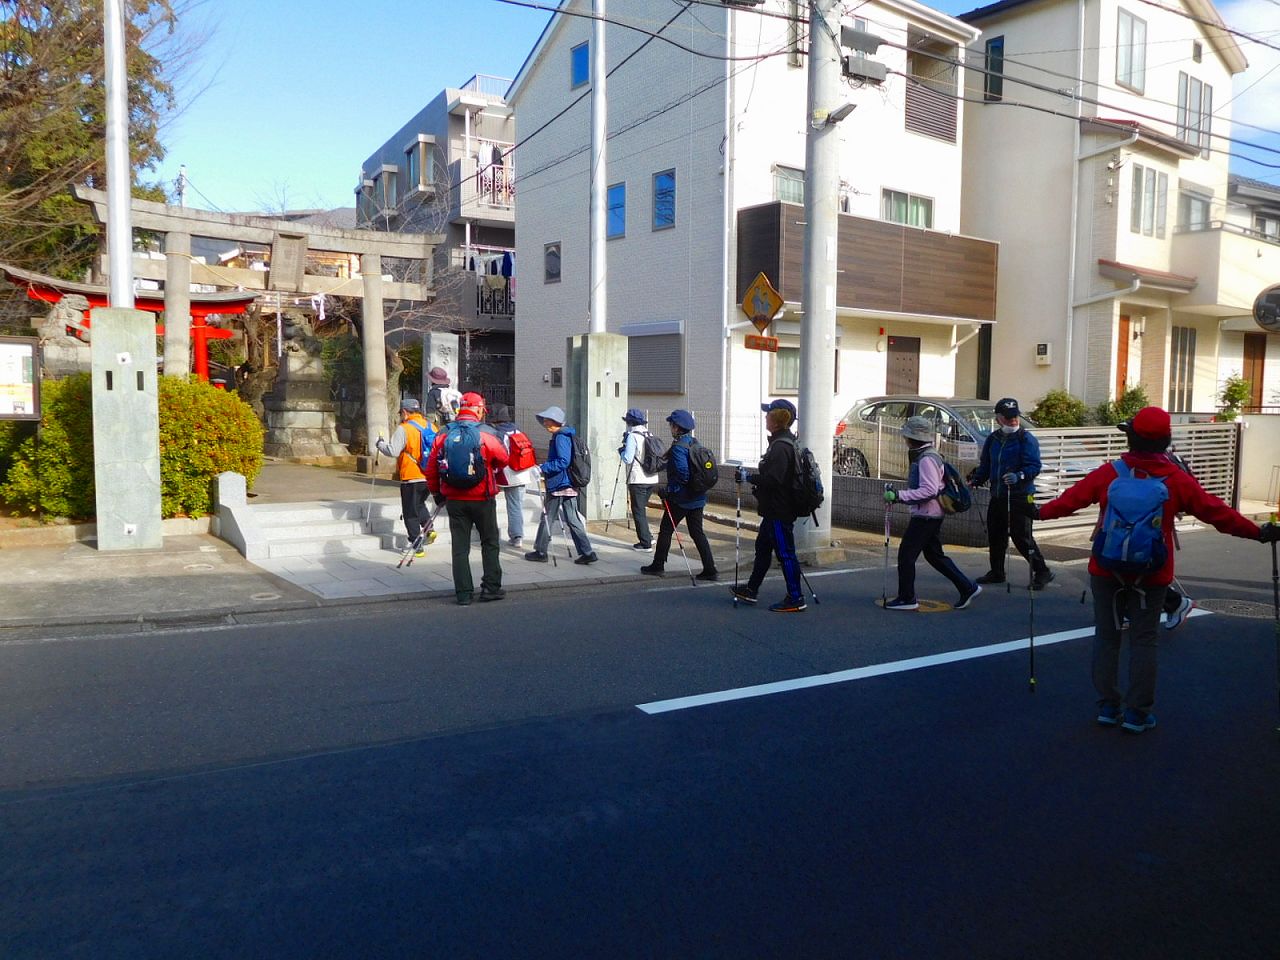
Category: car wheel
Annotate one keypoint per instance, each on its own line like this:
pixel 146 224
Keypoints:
pixel 849 463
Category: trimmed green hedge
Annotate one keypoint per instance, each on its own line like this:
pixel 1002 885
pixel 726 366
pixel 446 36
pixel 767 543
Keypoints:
pixel 203 431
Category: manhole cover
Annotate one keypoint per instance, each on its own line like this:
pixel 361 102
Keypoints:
pixel 1238 608
pixel 265 596
pixel 198 566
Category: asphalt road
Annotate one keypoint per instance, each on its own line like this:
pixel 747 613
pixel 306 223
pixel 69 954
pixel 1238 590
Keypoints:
pixel 422 780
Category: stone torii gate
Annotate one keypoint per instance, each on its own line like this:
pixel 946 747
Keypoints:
pixel 289 242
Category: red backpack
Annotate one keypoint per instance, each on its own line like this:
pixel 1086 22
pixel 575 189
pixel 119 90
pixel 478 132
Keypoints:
pixel 520 451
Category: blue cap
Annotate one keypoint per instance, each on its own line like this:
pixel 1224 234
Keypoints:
pixel 786 405
pixel 635 415
pixel 682 419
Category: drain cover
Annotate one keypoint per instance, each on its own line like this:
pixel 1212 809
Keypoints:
pixel 265 596
pixel 198 566
pixel 1251 609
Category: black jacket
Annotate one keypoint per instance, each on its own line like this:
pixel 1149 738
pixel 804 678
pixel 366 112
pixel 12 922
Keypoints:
pixel 776 477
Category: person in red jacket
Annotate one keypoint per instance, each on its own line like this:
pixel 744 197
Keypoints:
pixel 1140 599
pixel 470 504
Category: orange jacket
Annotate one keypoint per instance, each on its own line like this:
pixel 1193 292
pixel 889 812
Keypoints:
pixel 407 462
pixel 491 449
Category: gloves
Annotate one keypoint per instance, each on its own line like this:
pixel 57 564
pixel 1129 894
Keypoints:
pixel 740 475
pixel 620 450
pixel 438 498
pixel 1033 509
pixel 891 495
pixel 1010 478
pixel 1269 533
pixel 970 478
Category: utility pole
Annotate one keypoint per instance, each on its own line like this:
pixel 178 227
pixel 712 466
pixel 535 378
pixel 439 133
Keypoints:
pixel 597 304
pixel 821 214
pixel 119 174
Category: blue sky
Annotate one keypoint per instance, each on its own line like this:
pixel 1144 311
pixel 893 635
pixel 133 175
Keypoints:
pixel 289 96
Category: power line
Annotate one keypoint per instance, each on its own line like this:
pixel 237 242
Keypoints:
pixel 1216 24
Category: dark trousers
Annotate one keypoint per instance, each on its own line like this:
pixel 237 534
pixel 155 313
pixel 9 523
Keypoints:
pixel 413 505
pixel 921 536
pixel 639 494
pixel 1142 605
pixel 483 516
pixel 1001 527
pixel 673 514
pixel 776 537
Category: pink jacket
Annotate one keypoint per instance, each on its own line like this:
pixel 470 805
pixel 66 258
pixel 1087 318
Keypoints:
pixel 926 483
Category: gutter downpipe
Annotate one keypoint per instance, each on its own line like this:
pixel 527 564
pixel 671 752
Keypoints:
pixel 1133 287
pixel 726 193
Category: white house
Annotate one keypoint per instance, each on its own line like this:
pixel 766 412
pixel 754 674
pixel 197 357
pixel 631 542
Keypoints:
pixel 706 185
pixel 1121 259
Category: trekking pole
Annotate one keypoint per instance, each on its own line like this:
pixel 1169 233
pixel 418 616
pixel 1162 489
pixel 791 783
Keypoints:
pixel 426 535
pixel 373 478
pixel 1031 616
pixel 884 588
pixel 680 543
pixel 564 530
pixel 613 496
pixel 816 601
pixel 1008 524
pixel 545 521
pixel 1275 600
pixel 737 535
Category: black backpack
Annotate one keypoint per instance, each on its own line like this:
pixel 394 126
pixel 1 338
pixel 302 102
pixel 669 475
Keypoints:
pixel 807 492
pixel 653 457
pixel 703 474
pixel 579 463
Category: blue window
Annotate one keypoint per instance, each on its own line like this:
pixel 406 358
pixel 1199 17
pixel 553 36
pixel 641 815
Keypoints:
pixel 579 65
pixel 664 199
pixel 616 221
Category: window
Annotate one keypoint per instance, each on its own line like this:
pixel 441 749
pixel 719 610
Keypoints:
pixel 1182 368
pixel 1193 211
pixel 413 168
pixel 579 65
pixel 655 362
pixel 1195 110
pixel 788 184
pixel 664 199
pixel 1131 51
pixel 616 216
pixel 1149 202
pixel 551 262
pixel 786 370
pixel 993 79
pixel 899 207
pixel 1267 226
pixel 1197 51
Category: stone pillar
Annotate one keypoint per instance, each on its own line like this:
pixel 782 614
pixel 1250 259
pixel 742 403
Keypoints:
pixel 596 397
pixel 439 349
pixel 126 430
pixel 376 417
pixel 177 304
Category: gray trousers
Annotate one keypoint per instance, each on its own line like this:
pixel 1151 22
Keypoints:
pixel 562 510
pixel 1142 605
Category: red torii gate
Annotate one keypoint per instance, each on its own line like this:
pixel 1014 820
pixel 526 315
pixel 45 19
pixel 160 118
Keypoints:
pixel 51 290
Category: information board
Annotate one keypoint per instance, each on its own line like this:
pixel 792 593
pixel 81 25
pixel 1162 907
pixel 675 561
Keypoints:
pixel 19 378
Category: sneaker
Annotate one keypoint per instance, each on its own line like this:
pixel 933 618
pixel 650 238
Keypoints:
pixel 789 605
pixel 653 570
pixel 516 542
pixel 1042 579
pixel 708 576
pixel 897 603
pixel 586 558
pixel 745 594
pixel 536 557
pixel 967 596
pixel 1176 619
pixel 1135 721
pixel 487 594
pixel 642 546
pixel 419 554
pixel 464 599
pixel 1109 715
pixel 431 536
pixel 991 577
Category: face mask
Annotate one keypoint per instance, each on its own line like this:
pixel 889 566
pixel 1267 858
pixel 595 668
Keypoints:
pixel 1008 428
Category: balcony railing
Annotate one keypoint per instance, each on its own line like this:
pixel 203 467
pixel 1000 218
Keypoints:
pixel 496 186
pixel 487 85
pixel 494 297
pixel 1231 262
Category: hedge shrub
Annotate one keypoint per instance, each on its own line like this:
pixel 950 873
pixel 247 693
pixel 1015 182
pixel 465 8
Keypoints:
pixel 1057 408
pixel 1110 412
pixel 203 431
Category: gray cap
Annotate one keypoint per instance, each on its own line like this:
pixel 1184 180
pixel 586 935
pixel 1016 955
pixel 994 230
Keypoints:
pixel 918 428
pixel 408 403
pixel 552 413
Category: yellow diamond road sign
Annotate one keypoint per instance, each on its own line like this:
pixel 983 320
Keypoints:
pixel 762 302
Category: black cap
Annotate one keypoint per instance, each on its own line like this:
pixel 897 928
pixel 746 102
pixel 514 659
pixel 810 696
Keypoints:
pixel 1008 408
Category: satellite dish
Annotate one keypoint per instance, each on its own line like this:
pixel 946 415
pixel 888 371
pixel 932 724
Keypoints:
pixel 1266 309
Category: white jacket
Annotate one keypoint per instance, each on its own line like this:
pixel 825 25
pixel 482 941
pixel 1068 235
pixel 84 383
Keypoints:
pixel 632 450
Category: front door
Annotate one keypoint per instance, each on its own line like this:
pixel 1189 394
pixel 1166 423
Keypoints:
pixel 1255 353
pixel 904 365
pixel 1122 355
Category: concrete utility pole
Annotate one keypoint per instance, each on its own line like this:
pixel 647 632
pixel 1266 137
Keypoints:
pixel 821 214
pixel 119 174
pixel 597 304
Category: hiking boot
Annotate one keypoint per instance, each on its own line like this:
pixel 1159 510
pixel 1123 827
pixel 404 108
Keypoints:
pixel 586 558
pixel 1109 715
pixel 1135 721
pixel 991 576
pixel 431 536
pixel 497 594
pixel 654 570
pixel 967 596
pixel 898 603
pixel 1176 619
pixel 642 546
pixel 464 599
pixel 709 576
pixel 536 557
pixel 1042 579
pixel 789 605
pixel 745 594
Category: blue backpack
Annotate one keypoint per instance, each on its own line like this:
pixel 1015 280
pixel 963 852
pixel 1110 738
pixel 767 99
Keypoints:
pixel 462 456
pixel 955 496
pixel 427 437
pixel 1130 537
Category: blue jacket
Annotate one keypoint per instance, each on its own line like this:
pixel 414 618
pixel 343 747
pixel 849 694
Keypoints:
pixel 555 469
pixel 678 475
pixel 1017 452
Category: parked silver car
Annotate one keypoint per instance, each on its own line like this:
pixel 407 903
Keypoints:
pixel 868 444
